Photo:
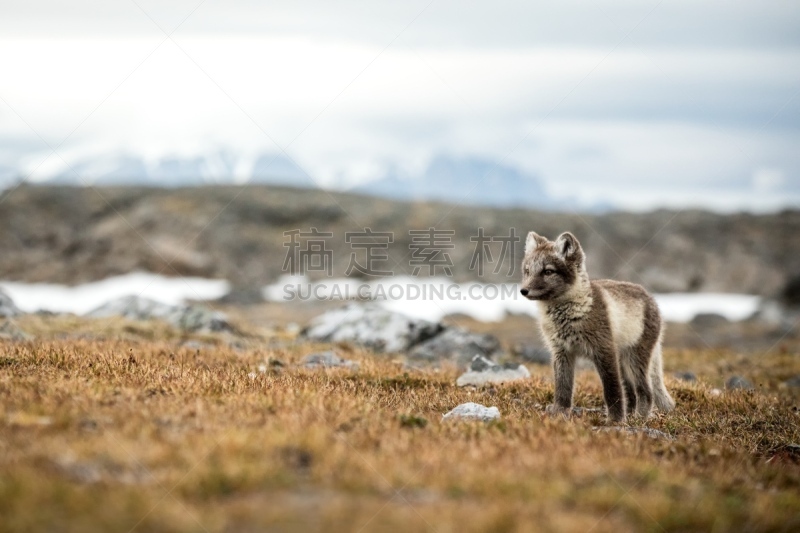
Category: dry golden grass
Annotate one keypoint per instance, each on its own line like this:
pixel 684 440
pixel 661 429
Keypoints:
pixel 140 434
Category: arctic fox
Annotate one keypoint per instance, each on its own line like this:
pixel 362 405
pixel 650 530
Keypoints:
pixel 615 324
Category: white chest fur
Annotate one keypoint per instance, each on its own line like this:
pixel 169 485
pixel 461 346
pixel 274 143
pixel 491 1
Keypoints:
pixel 562 323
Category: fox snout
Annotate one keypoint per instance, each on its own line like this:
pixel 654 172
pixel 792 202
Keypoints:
pixel 532 292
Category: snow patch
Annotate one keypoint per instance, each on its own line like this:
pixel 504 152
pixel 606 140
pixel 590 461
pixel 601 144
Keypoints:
pixel 681 307
pixel 81 299
pixel 419 298
pixel 434 298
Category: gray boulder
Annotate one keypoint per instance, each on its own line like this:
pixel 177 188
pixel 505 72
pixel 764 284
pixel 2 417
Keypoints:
pixel 532 354
pixel 7 307
pixel 709 320
pixel 473 411
pixel 483 371
pixel 791 292
pixel 327 359
pixel 381 330
pixel 793 382
pixel 186 317
pixel 457 345
pixel 370 326
pixel 776 314
pixel 738 382
pixel 685 376
pixel 9 330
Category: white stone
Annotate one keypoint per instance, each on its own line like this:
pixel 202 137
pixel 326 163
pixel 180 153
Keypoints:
pixel 473 411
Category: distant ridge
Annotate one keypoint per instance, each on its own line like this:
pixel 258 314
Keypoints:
pixel 459 180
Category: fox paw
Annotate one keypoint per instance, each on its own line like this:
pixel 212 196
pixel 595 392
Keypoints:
pixel 553 409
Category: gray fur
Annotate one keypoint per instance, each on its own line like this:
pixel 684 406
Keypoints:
pixel 615 324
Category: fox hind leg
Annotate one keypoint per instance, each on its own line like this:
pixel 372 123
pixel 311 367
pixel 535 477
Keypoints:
pixel 630 390
pixel 638 391
pixel 644 389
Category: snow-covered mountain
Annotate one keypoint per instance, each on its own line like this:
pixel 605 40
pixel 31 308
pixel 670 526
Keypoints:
pixel 461 180
pixel 173 171
pixel 469 180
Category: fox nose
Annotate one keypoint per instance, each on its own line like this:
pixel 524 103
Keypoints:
pixel 524 292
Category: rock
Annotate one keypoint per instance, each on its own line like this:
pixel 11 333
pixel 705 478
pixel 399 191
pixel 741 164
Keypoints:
pixel 483 371
pixel 709 320
pixel 327 360
pixel 370 326
pixel 7 307
pixel 196 318
pixel 793 382
pixel 791 292
pixel 386 331
pixel 473 411
pixel 9 330
pixel 776 314
pixel 482 364
pixel 714 393
pixel 187 317
pixel 532 354
pixel 457 345
pixel 738 382
pixel 685 376
pixel 648 432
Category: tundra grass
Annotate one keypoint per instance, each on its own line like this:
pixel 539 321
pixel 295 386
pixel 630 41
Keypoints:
pixel 143 434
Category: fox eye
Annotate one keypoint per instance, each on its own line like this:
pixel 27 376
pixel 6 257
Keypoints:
pixel 548 272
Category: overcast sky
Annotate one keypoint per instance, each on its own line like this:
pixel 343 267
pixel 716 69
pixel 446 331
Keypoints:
pixel 643 104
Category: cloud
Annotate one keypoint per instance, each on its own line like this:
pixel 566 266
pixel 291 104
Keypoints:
pixel 442 23
pixel 768 179
pixel 695 97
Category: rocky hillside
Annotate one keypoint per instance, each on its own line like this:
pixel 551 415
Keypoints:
pixel 72 235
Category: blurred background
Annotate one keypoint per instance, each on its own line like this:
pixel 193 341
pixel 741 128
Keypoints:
pixel 162 149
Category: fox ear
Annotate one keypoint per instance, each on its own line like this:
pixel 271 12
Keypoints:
pixel 568 246
pixel 533 241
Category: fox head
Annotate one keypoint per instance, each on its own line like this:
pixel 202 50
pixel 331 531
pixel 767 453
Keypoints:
pixel 551 268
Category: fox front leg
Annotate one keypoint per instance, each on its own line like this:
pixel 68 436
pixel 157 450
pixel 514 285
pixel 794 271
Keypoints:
pixel 564 370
